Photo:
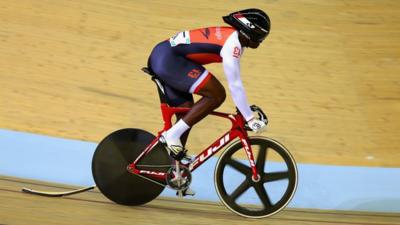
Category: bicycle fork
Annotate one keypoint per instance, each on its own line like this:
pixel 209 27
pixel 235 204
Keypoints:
pixel 247 148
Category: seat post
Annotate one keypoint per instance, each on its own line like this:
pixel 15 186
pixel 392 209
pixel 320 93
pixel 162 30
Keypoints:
pixel 161 90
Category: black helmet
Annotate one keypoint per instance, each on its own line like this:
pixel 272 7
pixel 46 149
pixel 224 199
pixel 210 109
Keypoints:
pixel 252 23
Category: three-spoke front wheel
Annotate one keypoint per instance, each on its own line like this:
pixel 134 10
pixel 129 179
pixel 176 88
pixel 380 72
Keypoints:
pixel 261 197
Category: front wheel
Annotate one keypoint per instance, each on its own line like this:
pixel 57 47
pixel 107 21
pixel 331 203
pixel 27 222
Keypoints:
pixel 256 199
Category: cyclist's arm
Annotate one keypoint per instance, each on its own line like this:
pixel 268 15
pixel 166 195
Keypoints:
pixel 230 54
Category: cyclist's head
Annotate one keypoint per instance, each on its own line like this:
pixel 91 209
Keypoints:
pixel 253 24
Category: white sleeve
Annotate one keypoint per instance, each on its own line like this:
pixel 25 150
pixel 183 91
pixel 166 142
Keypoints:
pixel 230 53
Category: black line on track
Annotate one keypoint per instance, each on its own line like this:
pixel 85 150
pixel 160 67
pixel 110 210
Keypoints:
pixel 70 198
pixel 93 191
pixel 331 222
pixel 33 183
pixel 174 210
pixel 348 213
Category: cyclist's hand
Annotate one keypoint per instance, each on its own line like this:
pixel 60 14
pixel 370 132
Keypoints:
pixel 257 125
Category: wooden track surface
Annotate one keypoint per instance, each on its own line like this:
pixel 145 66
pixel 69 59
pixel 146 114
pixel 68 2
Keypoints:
pixel 93 208
pixel 328 75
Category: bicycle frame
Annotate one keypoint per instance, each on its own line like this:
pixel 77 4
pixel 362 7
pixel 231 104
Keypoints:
pixel 237 131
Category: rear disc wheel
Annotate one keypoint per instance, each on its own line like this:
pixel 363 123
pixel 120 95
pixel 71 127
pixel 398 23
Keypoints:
pixel 109 167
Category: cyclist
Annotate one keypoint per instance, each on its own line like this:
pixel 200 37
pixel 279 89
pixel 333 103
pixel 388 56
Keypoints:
pixel 179 61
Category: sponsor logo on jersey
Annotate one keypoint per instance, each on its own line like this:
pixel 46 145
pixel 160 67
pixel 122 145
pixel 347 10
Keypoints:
pixel 236 52
pixel 206 33
pixel 194 73
pixel 218 33
pixel 180 38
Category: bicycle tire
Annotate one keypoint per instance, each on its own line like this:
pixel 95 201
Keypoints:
pixel 110 161
pixel 231 198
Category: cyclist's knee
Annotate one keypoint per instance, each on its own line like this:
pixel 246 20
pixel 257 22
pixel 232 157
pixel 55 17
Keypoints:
pixel 220 97
pixel 214 91
pixel 217 92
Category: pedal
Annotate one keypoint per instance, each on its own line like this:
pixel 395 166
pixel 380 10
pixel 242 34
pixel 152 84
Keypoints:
pixel 181 156
pixel 186 160
pixel 186 192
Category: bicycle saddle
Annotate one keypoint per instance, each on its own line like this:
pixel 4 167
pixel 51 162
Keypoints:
pixel 148 71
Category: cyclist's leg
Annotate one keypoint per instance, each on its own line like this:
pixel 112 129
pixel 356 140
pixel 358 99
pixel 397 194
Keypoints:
pixel 185 77
pixel 213 95
pixel 178 98
pixel 185 135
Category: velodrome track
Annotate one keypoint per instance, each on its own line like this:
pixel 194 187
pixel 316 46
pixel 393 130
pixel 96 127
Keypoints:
pixel 94 208
pixel 327 76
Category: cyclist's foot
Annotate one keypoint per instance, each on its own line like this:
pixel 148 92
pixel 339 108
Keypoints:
pixel 175 148
pixel 187 192
pixel 186 159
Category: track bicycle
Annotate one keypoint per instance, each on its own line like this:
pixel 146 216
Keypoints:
pixel 132 167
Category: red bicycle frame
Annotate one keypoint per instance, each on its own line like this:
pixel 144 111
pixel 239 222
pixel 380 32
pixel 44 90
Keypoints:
pixel 237 131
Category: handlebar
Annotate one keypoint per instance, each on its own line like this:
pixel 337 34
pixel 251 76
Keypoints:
pixel 260 113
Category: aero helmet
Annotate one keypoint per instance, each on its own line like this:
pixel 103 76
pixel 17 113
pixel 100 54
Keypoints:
pixel 254 24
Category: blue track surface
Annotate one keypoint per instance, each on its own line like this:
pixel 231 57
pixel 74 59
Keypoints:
pixel 66 161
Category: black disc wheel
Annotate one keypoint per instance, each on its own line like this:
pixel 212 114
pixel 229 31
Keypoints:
pixel 256 198
pixel 110 161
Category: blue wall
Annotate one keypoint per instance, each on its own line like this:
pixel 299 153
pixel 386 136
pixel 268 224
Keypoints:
pixel 66 161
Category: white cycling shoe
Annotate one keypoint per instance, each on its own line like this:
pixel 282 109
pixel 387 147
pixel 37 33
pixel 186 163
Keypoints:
pixel 178 152
pixel 175 148
pixel 187 192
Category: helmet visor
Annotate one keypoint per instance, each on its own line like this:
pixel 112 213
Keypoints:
pixel 259 34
